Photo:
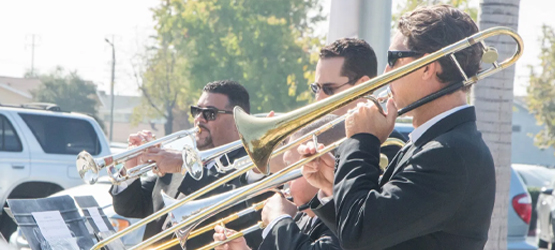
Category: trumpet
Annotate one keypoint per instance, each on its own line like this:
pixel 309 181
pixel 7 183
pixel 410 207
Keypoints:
pixel 89 167
pixel 261 135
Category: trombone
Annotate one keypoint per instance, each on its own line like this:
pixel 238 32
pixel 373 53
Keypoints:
pixel 261 135
pixel 254 208
pixel 89 167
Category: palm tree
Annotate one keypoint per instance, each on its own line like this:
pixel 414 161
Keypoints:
pixel 493 98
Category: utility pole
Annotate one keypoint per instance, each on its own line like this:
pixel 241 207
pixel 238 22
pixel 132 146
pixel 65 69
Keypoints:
pixel 33 45
pixel 112 85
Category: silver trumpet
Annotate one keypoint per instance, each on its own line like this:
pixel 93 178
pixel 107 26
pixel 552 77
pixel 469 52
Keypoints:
pixel 89 167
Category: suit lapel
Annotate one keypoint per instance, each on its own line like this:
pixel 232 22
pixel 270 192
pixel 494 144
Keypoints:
pixel 441 127
pixel 397 160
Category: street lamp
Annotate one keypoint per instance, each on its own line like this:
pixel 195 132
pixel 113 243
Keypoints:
pixel 112 86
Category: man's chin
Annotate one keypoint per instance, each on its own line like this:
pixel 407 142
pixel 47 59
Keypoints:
pixel 204 145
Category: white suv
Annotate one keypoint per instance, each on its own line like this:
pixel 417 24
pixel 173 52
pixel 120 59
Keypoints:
pixel 38 149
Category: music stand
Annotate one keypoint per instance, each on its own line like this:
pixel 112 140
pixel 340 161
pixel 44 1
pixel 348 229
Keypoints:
pixel 98 223
pixel 51 223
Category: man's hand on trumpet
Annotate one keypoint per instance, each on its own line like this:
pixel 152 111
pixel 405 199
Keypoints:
pixel 221 233
pixel 135 140
pixel 167 160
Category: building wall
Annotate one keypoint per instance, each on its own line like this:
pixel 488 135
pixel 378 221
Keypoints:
pixel 523 149
pixel 9 97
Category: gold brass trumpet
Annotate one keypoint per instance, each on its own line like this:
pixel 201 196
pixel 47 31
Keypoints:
pixel 89 167
pixel 261 135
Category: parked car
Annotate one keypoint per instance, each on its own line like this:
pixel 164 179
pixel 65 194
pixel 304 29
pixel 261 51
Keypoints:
pixel 534 176
pixel 519 214
pixel 545 208
pixel 37 152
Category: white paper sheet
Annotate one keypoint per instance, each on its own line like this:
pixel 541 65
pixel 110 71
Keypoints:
pixel 54 229
pixel 97 218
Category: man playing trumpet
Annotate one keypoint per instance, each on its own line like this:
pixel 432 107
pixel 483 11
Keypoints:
pixel 213 115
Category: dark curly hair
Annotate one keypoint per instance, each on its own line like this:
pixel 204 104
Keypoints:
pixel 430 28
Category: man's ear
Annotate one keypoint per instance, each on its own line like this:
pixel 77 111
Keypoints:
pixel 363 79
pixel 431 70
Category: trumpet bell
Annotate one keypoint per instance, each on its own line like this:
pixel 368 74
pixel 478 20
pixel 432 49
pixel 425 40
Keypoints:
pixel 192 162
pixel 88 168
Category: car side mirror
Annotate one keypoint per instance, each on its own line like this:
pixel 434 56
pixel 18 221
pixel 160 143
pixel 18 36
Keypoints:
pixel 546 190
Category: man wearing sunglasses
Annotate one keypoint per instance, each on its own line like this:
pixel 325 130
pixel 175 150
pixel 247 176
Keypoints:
pixel 213 114
pixel 343 64
pixel 438 192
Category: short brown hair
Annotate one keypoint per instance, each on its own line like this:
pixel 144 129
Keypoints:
pixel 430 28
pixel 360 59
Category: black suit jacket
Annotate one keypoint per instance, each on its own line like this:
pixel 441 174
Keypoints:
pixel 142 198
pixel 300 233
pixel 438 193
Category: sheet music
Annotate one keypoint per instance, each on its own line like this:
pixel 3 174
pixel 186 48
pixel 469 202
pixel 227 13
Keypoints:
pixel 54 229
pixel 97 218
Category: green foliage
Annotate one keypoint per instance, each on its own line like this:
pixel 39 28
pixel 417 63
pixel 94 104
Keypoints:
pixel 541 90
pixel 69 91
pixel 265 45
pixel 409 5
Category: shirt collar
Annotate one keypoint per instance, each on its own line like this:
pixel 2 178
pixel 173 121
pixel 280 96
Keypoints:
pixel 418 132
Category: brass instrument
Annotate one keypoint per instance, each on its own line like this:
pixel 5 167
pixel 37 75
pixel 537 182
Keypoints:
pixel 261 135
pixel 89 167
pixel 255 207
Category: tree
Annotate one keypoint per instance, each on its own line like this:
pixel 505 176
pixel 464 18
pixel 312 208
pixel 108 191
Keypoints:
pixel 69 91
pixel 161 80
pixel 493 99
pixel 541 90
pixel 265 45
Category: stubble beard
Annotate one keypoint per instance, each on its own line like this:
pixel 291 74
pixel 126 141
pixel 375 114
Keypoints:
pixel 206 143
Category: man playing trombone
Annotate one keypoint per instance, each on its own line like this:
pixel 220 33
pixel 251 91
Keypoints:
pixel 213 115
pixel 292 225
pixel 438 192
pixel 343 64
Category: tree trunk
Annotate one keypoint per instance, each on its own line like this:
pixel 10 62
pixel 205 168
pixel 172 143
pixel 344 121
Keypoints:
pixel 493 98
pixel 168 126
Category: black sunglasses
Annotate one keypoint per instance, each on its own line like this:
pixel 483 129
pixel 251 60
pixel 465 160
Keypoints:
pixel 393 56
pixel 208 114
pixel 328 88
